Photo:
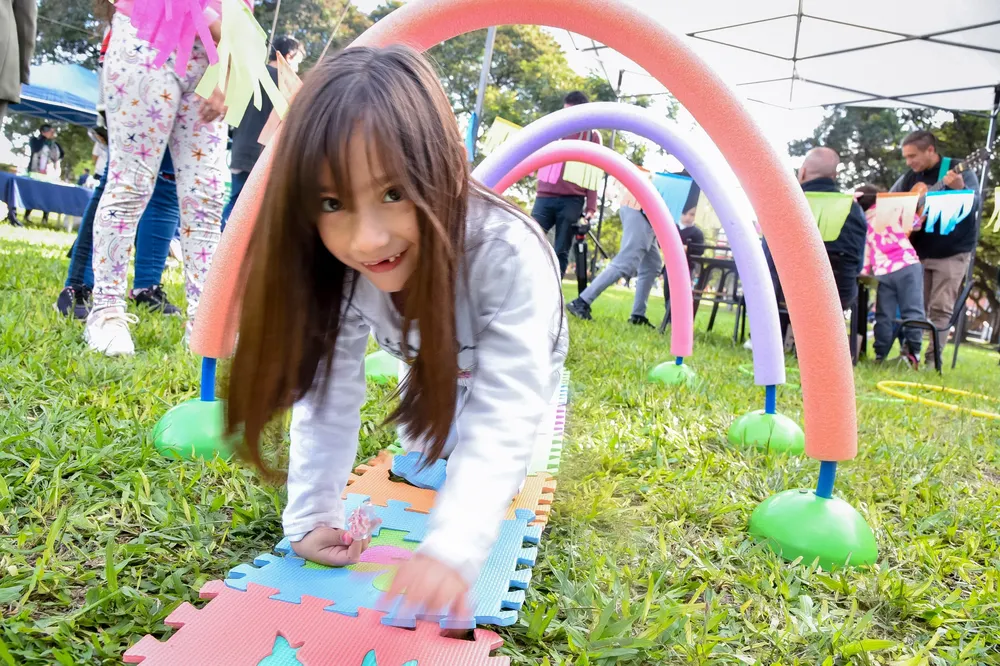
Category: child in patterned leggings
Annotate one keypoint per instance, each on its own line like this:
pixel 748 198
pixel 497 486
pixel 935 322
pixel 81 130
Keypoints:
pixel 149 109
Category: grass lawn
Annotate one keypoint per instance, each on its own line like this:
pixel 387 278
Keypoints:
pixel 646 559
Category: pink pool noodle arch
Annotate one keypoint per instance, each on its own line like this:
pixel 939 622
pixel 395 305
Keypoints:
pixel 784 215
pixel 674 258
pixel 765 328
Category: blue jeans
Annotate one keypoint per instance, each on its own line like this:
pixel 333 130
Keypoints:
pixel 900 294
pixel 239 179
pixel 152 244
pixel 561 213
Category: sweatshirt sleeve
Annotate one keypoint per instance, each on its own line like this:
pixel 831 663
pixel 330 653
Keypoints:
pixel 324 438
pixel 898 185
pixel 512 383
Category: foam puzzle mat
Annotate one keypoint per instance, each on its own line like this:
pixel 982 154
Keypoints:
pixel 281 610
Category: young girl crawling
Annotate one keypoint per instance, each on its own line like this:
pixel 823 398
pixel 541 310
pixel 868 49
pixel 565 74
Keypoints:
pixel 371 224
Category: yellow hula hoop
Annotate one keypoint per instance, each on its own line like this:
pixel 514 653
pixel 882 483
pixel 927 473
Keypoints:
pixel 886 387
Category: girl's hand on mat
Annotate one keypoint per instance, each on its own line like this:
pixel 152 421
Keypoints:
pixel 430 585
pixel 326 545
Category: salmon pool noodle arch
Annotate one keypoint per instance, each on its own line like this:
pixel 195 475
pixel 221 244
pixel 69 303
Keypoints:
pixel 784 215
pixel 765 328
pixel 674 258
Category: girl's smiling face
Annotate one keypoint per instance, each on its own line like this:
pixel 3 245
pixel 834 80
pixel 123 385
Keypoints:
pixel 372 229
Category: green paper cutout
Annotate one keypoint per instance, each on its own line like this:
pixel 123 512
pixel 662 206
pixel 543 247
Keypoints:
pixel 830 209
pixel 241 70
pixel 585 175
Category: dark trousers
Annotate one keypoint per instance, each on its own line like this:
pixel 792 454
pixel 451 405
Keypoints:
pixel 239 179
pixel 561 213
pixel 899 294
pixel 157 227
pixel 845 275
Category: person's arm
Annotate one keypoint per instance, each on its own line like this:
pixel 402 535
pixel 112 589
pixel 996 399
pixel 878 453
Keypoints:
pixel 25 18
pixel 511 386
pixel 324 438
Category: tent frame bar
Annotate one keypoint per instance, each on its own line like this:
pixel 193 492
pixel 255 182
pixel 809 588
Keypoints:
pixel 969 276
pixel 903 37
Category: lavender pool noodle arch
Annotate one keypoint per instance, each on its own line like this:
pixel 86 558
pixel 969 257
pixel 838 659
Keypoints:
pixel 765 330
pixel 678 276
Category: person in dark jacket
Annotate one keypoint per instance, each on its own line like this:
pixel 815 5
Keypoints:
pixel 945 258
pixel 246 148
pixel 846 253
pixel 561 204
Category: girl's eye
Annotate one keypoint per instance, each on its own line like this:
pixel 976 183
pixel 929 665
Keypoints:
pixel 330 205
pixel 392 195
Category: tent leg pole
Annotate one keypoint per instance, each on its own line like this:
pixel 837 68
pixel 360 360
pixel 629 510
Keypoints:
pixel 990 137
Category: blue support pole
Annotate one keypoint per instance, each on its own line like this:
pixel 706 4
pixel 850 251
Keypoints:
pixel 770 399
pixel 827 475
pixel 679 360
pixel 207 379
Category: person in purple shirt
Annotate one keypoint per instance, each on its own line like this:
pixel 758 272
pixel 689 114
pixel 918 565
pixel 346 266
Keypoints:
pixel 561 204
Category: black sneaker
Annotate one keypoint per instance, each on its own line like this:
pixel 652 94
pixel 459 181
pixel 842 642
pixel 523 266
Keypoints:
pixel 640 320
pixel 579 308
pixel 155 299
pixel 74 301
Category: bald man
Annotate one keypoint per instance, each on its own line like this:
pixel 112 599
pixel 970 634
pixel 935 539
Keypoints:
pixel 818 173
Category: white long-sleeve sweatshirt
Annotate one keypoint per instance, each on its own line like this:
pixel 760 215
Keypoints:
pixel 513 341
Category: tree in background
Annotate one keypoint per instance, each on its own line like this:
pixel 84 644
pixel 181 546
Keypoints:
pixel 529 75
pixel 311 22
pixel 68 31
pixel 869 142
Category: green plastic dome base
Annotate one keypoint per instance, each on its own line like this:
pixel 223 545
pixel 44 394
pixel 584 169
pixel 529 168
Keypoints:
pixel 381 366
pixel 768 432
pixel 798 523
pixel 671 374
pixel 192 430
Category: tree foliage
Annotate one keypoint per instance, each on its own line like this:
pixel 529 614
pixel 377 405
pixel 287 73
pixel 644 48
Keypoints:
pixel 529 74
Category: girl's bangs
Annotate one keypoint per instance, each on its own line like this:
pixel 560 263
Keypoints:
pixel 384 147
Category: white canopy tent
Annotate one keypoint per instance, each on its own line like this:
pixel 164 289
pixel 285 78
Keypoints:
pixel 804 53
pixel 798 54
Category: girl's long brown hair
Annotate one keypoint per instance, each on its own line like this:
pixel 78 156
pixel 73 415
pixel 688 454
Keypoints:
pixel 295 289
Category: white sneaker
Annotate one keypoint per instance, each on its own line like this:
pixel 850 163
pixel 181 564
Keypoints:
pixel 107 332
pixel 748 345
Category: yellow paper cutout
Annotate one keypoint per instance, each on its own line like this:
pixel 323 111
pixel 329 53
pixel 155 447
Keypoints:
pixel 830 209
pixel 995 218
pixel 500 131
pixel 241 71
pixel 288 84
pixel 585 175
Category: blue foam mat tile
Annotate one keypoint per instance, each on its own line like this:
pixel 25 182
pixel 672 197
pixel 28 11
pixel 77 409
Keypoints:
pixel 493 600
pixel 394 516
pixel 345 589
pixel 409 467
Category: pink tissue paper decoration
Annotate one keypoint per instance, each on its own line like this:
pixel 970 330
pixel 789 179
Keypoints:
pixel 170 27
pixel 550 174
pixel 363 521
